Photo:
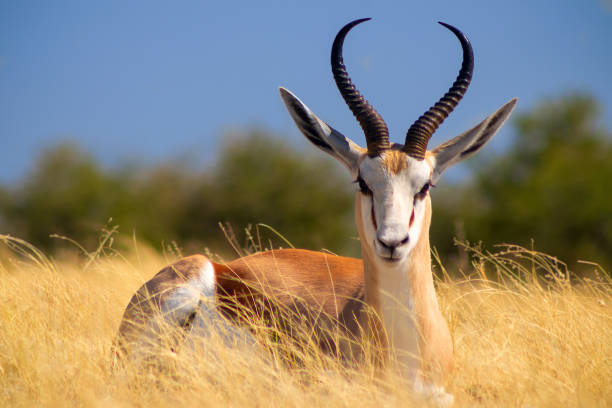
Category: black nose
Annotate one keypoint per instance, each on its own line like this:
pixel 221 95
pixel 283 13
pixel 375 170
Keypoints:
pixel 392 244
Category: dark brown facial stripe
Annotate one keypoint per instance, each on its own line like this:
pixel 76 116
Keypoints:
pixel 373 215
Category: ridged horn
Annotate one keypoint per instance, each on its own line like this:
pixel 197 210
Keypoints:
pixel 373 125
pixel 421 131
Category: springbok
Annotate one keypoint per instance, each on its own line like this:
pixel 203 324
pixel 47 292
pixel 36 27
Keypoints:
pixel 393 215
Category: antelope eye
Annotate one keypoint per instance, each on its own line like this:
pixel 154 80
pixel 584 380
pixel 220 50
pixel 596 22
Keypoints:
pixel 363 186
pixel 423 192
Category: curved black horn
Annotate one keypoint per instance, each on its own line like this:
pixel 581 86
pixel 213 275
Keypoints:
pixel 421 131
pixel 373 125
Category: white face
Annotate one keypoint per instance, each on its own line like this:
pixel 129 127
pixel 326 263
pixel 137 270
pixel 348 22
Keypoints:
pixel 393 189
pixel 395 186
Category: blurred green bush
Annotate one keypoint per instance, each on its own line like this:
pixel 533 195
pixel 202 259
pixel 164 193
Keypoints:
pixel 256 178
pixel 550 187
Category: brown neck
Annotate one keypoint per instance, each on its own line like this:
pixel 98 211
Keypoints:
pixel 411 328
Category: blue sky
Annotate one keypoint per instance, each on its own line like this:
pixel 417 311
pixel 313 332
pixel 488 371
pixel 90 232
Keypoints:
pixel 155 80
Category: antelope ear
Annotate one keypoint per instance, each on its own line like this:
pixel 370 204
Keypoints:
pixel 468 143
pixel 322 135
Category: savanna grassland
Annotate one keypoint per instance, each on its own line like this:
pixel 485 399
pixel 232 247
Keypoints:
pixel 524 336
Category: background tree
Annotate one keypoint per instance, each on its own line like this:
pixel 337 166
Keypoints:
pixel 261 179
pixel 255 179
pixel 551 185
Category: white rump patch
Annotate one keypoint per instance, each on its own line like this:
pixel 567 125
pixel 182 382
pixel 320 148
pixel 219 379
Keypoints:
pixel 184 300
pixel 195 303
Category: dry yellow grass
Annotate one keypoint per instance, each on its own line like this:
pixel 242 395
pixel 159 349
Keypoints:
pixel 518 343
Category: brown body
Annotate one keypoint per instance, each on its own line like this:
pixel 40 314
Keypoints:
pixel 326 289
pixel 291 283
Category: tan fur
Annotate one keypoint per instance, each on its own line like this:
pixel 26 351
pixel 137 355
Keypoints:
pixel 434 340
pixel 324 281
pixel 371 324
pixel 371 279
pixel 430 159
pixel 436 347
pixel 394 161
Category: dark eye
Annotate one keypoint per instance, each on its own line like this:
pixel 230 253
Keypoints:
pixel 363 186
pixel 421 194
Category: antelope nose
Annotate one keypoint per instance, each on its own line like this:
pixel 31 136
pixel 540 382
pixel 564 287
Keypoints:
pixel 392 243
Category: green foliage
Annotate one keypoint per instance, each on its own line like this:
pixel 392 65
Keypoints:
pixel 256 179
pixel 66 193
pixel 550 186
pixel 262 180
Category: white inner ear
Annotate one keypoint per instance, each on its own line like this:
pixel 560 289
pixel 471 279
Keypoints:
pixel 344 149
pixel 468 143
pixel 321 134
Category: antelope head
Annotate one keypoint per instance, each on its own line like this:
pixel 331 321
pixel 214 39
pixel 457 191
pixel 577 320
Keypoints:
pixel 394 179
